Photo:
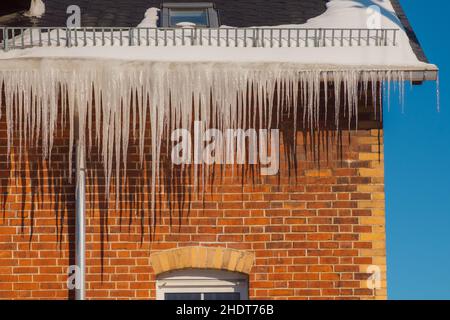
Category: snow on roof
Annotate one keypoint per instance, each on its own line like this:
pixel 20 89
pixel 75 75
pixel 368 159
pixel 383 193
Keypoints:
pixel 356 14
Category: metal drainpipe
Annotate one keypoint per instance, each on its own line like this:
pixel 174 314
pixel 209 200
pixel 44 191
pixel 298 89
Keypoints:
pixel 80 225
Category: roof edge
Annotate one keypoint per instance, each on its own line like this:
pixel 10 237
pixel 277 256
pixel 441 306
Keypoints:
pixel 413 40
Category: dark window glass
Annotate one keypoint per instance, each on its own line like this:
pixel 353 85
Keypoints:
pixel 182 296
pixel 197 16
pixel 222 296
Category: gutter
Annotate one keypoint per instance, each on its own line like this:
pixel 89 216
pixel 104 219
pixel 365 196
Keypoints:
pixel 418 77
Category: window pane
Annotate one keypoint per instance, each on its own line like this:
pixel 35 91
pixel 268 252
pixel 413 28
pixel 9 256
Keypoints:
pixel 222 296
pixel 182 296
pixel 199 17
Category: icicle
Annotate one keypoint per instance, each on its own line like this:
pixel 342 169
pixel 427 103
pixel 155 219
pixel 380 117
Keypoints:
pixel 337 97
pixel 401 83
pixel 1 95
pixel 71 105
pixel 325 84
pixel 438 94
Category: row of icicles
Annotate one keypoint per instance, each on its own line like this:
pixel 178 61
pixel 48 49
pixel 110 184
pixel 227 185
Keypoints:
pixel 106 106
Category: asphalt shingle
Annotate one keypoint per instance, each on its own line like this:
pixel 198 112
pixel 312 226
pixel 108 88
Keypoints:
pixel 238 13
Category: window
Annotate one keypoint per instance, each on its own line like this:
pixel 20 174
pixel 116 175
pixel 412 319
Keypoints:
pixel 199 14
pixel 202 284
pixel 199 17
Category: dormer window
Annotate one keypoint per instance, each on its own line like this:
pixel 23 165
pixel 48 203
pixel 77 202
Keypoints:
pixel 198 17
pixel 194 14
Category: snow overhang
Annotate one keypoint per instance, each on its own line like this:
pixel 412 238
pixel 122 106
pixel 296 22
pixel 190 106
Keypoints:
pixel 301 59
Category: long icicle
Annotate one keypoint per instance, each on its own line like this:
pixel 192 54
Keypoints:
pixel 117 99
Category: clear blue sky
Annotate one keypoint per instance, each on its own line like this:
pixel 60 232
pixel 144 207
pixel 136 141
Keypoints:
pixel 417 160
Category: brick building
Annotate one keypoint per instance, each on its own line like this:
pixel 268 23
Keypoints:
pixel 316 230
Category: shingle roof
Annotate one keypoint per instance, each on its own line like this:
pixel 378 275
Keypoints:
pixel 12 6
pixel 238 13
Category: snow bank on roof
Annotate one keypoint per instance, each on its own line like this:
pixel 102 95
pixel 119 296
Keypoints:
pixel 150 18
pixel 339 14
pixel 368 14
pixel 37 9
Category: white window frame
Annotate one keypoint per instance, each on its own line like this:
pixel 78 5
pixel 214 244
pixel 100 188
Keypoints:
pixel 201 281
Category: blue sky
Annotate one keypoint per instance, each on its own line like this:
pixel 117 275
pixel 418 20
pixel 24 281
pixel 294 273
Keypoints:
pixel 417 160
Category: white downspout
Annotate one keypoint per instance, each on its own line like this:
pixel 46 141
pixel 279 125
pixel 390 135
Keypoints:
pixel 80 224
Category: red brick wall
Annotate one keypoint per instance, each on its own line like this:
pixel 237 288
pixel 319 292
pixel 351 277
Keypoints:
pixel 314 232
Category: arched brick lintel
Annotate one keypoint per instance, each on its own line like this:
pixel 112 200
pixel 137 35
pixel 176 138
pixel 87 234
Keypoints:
pixel 202 258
